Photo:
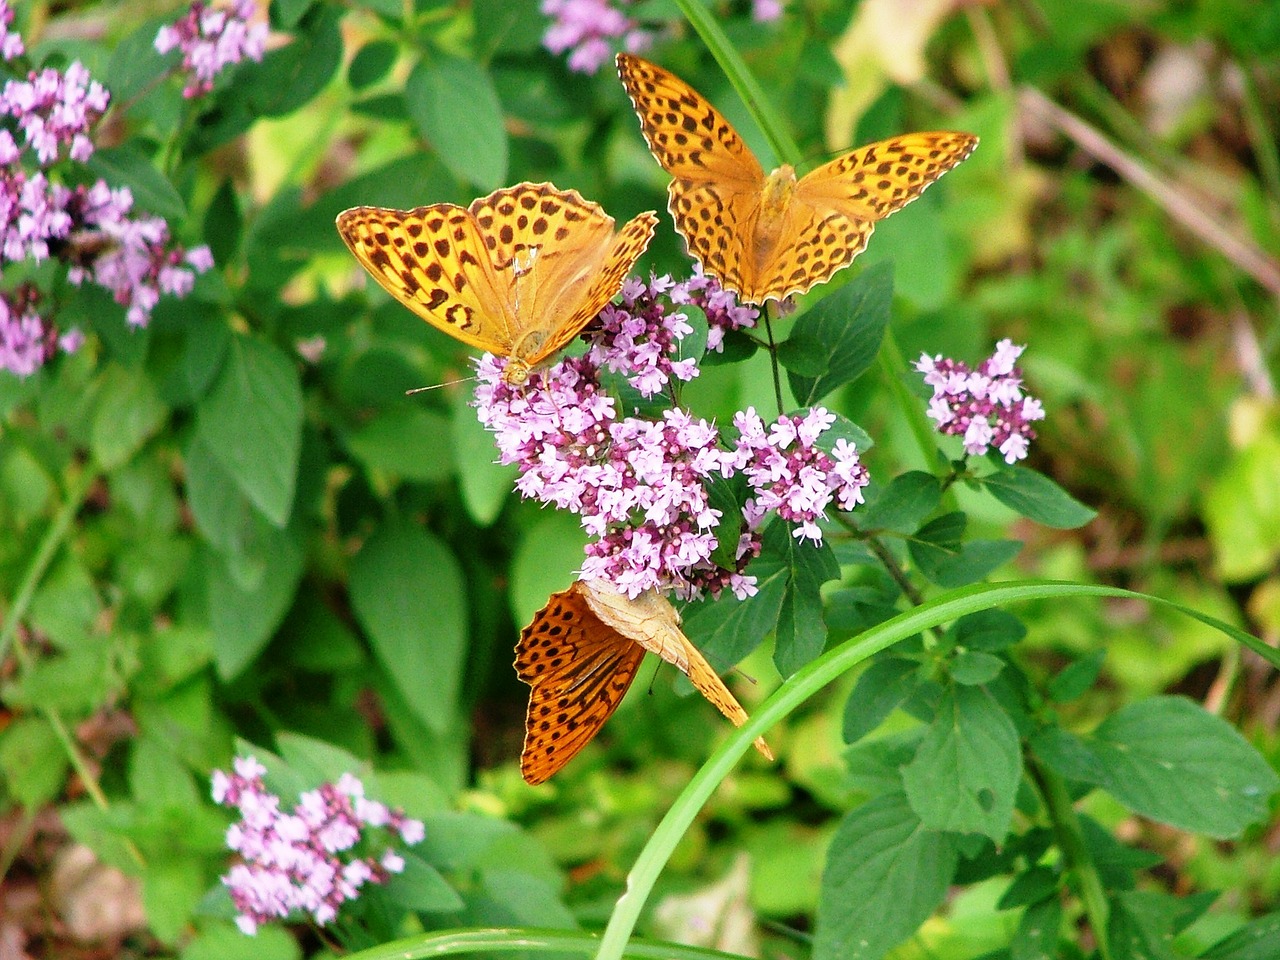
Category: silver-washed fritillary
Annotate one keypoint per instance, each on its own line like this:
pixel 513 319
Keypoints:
pixel 580 654
pixel 769 237
pixel 518 273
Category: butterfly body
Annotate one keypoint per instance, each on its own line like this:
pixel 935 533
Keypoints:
pixel 579 656
pixel 518 273
pixel 769 237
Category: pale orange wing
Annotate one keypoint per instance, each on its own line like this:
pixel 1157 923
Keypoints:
pixel 834 208
pixel 434 260
pixel 716 182
pixel 653 624
pixel 579 670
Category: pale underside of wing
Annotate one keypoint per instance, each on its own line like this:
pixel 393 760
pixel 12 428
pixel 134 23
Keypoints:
pixel 579 670
pixel 433 260
pixel 653 624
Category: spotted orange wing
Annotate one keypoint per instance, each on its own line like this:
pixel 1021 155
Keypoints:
pixel 519 273
pixel 579 670
pixel 432 259
pixel 771 237
pixel 716 181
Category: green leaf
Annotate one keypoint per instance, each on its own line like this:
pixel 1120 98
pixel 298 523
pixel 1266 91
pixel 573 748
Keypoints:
pixel 989 630
pixel 1075 679
pixel 885 875
pixel 1037 498
pixel 252 421
pixel 224 224
pixel 1028 887
pixel 1242 510
pixel 409 441
pixel 408 594
pixel 842 428
pixel 171 888
pixel 486 485
pixel 317 761
pixel 802 631
pixel 456 109
pixel 544 563
pixel 847 328
pixel 289 12
pixel 129 411
pixel 1037 935
pixel 964 777
pixel 727 629
pixel 225 942
pixel 974 668
pixel 902 506
pixel 941 555
pixel 126 167
pixel 1168 759
pixel 1142 924
pixel 727 495
pixel 245 615
pixel 32 760
pixel 880 689
pixel 291 76
pixel 371 63
pixel 1259 940
pixel 135 63
pixel 421 887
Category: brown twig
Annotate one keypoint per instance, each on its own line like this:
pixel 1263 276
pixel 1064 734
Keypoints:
pixel 1177 204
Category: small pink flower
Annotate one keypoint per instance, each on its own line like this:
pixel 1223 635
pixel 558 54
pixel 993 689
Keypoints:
pixel 986 407
pixel 212 39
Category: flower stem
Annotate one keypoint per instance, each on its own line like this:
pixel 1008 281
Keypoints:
pixel 77 490
pixel 1066 828
pixel 744 82
pixel 767 316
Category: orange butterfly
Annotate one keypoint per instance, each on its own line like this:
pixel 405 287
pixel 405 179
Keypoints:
pixel 771 237
pixel 580 654
pixel 518 273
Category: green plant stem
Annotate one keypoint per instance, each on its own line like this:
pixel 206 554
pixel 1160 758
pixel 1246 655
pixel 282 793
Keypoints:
pixel 505 940
pixel 899 575
pixel 767 315
pixel 893 368
pixel 1066 828
pixel 744 82
pixel 813 677
pixel 1261 136
pixel 77 490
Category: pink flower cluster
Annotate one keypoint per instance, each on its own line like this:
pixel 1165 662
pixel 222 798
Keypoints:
pixel 137 263
pixel 793 476
pixel 54 109
pixel 91 228
pixel 640 335
pixel 723 311
pixel 11 44
pixel 588 27
pixel 212 39
pixel 290 861
pixel 986 407
pixel 642 487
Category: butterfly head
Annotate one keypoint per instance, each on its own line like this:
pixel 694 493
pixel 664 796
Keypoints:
pixel 516 373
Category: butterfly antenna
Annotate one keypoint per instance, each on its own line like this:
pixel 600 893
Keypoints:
pixel 745 676
pixel 437 386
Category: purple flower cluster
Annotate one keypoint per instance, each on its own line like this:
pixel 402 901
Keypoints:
pixel 793 476
pixel 212 39
pixel 642 487
pixel 723 311
pixel 56 109
pixel 290 861
pixel 986 407
pixel 640 336
pixel 588 27
pixel 91 228
pixel 137 263
pixel 11 44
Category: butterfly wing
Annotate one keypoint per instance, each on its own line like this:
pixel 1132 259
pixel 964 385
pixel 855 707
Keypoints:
pixel 654 625
pixel 579 670
pixel 834 208
pixel 577 306
pixel 433 260
pixel 716 184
